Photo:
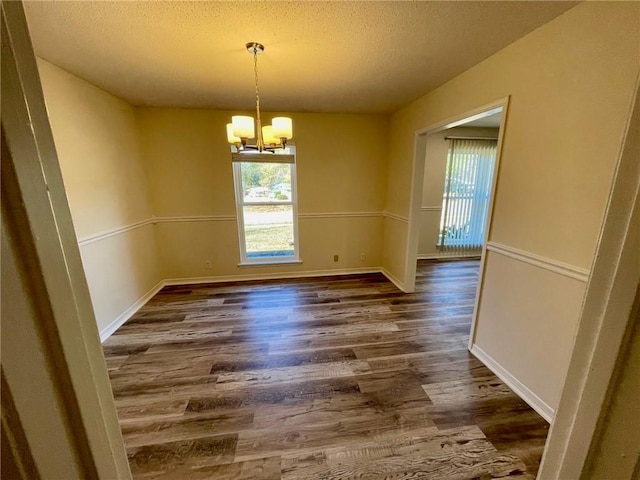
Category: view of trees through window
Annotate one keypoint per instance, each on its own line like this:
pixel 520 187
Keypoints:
pixel 271 181
pixel 267 209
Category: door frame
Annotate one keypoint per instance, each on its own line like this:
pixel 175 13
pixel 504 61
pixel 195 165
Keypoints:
pixel 419 153
pixel 52 344
pixel 605 317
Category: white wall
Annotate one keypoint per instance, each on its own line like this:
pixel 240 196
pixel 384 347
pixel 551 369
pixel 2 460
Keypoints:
pixel 435 163
pixel 97 141
pixel 570 84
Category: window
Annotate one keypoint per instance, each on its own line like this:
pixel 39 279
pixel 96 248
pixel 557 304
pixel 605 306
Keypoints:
pixel 266 205
pixel 467 190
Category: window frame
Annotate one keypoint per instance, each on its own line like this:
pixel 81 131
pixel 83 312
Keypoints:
pixel 238 159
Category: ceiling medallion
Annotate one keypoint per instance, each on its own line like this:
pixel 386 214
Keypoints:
pixel 270 137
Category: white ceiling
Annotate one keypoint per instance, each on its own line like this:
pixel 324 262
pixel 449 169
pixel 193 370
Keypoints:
pixel 370 57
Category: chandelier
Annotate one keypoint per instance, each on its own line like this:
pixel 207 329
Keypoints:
pixel 270 137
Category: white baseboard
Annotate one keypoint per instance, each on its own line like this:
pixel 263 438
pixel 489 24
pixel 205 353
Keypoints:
pixel 393 279
pixel 269 276
pixel 129 312
pixel 535 402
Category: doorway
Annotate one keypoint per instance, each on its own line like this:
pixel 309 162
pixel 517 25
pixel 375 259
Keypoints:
pixel 427 219
pixel 457 188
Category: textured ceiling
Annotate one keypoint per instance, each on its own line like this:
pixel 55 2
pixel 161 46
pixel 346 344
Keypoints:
pixel 319 56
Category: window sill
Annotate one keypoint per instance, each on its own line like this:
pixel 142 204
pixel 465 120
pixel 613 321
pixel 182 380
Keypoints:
pixel 271 262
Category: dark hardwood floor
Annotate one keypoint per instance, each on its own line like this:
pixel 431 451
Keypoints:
pixel 323 378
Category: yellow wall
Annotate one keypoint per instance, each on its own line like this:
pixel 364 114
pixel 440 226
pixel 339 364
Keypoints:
pixel 435 163
pixel 96 138
pixel 570 84
pixel 123 165
pixel 97 142
pixel 341 166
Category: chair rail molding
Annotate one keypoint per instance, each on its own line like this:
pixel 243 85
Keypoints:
pixel 571 271
pixel 228 218
pixel 396 217
pixel 340 215
pixel 195 218
pixel 96 237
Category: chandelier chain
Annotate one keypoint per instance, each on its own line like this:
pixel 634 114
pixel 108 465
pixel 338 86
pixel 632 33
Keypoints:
pixel 255 71
pixel 242 127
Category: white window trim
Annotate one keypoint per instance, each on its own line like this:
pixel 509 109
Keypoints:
pixel 240 203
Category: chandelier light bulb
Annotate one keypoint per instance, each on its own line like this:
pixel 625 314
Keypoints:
pixel 231 138
pixel 282 127
pixel 243 126
pixel 268 137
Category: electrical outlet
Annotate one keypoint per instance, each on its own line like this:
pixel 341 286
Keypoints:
pixel 336 258
pixel 207 264
pixel 363 257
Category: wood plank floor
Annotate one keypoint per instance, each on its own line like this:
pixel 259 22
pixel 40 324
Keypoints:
pixel 326 378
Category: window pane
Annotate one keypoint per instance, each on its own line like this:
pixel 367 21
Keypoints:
pixel 266 182
pixel 268 231
pixel 467 190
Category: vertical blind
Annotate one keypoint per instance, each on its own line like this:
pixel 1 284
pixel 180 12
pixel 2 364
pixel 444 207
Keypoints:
pixel 467 189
